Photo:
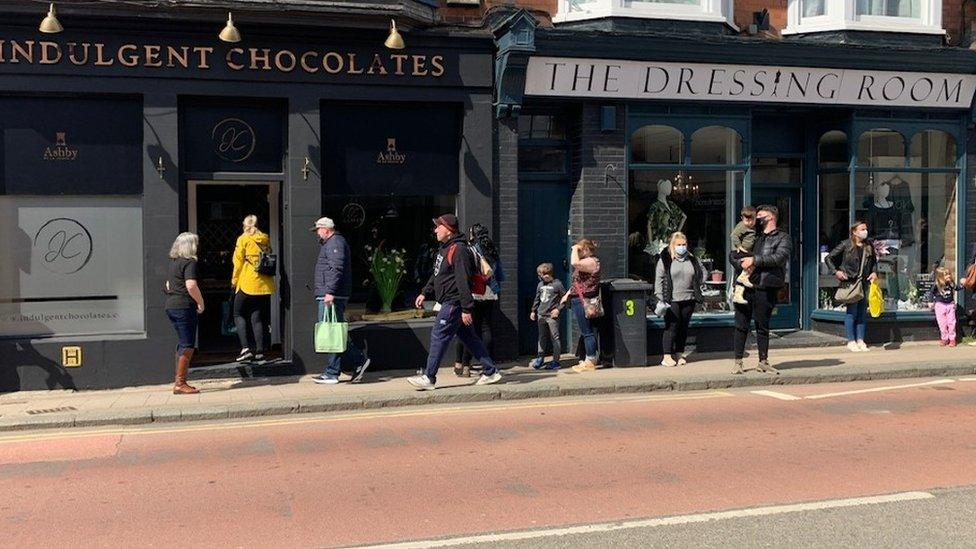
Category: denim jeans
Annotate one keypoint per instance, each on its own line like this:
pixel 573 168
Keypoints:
pixel 185 323
pixel 447 325
pixel 856 320
pixel 586 330
pixel 334 360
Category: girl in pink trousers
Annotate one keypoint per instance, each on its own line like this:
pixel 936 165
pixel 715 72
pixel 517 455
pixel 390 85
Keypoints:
pixel 942 298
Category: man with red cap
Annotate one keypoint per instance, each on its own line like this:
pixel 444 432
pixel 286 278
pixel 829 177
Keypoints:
pixel 450 285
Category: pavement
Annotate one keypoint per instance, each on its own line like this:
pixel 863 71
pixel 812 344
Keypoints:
pixel 285 395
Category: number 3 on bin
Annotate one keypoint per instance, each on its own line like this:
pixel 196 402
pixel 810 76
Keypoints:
pixel 629 307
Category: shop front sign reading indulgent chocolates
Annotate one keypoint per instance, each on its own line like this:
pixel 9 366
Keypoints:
pixel 196 60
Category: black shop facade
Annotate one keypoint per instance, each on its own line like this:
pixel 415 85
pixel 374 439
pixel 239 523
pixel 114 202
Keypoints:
pixel 644 133
pixel 115 140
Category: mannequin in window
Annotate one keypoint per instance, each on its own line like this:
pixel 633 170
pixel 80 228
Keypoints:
pixel 886 223
pixel 664 218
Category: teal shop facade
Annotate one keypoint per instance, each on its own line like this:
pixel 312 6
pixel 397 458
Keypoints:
pixel 612 122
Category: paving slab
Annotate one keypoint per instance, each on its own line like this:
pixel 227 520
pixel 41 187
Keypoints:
pixel 280 396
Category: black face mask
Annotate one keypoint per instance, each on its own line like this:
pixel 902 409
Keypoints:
pixel 760 223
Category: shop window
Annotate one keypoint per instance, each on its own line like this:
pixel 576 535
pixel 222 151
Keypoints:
pixel 907 16
pixel 933 149
pixel 657 145
pixel 541 126
pixel 73 266
pixel 881 148
pixel 719 11
pixel 833 151
pixel 911 216
pixel 400 227
pixel 716 145
pixel 543 160
pixel 703 205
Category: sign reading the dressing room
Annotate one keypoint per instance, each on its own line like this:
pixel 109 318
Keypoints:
pixel 619 79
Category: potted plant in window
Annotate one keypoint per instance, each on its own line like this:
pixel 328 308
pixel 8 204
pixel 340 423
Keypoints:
pixel 386 267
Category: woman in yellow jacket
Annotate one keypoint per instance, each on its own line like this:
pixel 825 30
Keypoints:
pixel 252 298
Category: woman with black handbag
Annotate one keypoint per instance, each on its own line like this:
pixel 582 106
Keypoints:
pixel 253 282
pixel 855 266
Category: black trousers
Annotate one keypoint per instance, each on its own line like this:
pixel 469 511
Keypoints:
pixel 251 308
pixel 762 301
pixel 483 315
pixel 676 321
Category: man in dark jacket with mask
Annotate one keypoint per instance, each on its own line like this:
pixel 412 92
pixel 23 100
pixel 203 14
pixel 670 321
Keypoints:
pixel 770 256
pixel 450 285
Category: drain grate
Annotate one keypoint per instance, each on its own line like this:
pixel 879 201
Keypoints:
pixel 51 410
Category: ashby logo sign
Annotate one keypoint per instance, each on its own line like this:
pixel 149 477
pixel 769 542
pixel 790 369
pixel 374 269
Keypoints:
pixel 566 77
pixel 60 151
pixel 391 155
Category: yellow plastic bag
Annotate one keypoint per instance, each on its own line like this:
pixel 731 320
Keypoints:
pixel 875 300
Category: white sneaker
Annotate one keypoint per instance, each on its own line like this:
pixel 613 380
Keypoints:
pixel 853 347
pixel 682 361
pixel 668 361
pixel 862 346
pixel 246 354
pixel 421 382
pixel 488 380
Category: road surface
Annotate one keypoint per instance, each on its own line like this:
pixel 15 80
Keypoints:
pixel 774 466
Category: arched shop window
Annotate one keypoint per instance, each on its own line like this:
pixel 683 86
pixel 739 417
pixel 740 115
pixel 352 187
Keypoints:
pixel 907 196
pixel 716 145
pixel 833 150
pixel 881 148
pixel 933 149
pixel 657 145
pixel 699 196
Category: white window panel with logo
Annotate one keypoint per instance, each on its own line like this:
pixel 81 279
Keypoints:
pixel 72 266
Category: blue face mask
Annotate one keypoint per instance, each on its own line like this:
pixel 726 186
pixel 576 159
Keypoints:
pixel 681 249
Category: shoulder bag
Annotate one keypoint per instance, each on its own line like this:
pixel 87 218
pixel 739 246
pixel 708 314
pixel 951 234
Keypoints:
pixel 852 291
pixel 267 262
pixel 592 306
pixel 970 282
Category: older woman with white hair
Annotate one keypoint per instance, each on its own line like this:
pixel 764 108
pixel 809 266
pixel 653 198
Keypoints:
pixel 183 303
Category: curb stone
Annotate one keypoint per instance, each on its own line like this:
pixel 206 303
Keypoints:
pixel 459 394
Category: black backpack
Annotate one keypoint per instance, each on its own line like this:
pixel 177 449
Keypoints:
pixel 267 263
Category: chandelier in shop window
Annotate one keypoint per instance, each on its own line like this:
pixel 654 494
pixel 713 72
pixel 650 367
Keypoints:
pixel 685 187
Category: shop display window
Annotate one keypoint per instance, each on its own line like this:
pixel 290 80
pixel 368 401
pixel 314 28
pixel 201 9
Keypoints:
pixel 72 266
pixel 703 204
pixel 393 249
pixel 910 212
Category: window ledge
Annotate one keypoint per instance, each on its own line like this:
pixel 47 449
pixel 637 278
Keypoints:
pixel 891 316
pixel 699 320
pixel 860 26
pixel 675 15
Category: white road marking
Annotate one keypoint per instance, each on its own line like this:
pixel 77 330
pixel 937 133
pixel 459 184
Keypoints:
pixel 967 379
pixel 664 521
pixel 880 389
pixel 774 394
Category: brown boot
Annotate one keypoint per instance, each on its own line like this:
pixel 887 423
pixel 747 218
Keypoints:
pixel 182 365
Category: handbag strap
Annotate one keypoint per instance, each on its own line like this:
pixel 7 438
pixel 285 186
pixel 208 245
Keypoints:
pixel 864 261
pixel 330 313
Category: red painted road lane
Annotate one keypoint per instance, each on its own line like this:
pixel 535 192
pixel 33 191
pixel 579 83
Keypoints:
pixel 399 476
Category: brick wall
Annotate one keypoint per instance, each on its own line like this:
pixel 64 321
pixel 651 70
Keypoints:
pixel 598 209
pixel 542 9
pixel 777 14
pixel 506 219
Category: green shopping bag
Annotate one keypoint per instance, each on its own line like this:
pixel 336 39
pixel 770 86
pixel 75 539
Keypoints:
pixel 330 334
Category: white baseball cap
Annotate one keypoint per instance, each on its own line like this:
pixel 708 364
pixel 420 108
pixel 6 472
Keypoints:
pixel 323 223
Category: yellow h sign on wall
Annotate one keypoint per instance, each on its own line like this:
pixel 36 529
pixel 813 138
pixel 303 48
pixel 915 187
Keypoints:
pixel 71 357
